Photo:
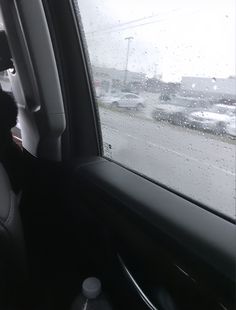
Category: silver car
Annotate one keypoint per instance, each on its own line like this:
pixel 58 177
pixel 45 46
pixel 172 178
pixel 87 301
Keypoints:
pixel 215 119
pixel 231 127
pixel 124 100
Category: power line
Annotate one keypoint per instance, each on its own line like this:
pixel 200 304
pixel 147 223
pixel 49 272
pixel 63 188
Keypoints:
pixel 123 24
pixel 137 26
pixel 130 27
pixel 119 27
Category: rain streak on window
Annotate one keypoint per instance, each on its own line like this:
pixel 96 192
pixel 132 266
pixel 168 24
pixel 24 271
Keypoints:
pixel 165 83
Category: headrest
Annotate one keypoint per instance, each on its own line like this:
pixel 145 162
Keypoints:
pixel 5 54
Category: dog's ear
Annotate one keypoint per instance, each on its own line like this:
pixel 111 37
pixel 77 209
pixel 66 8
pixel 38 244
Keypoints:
pixel 5 54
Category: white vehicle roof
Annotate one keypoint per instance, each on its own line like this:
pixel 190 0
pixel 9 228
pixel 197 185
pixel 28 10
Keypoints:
pixel 230 107
pixel 124 94
pixel 211 115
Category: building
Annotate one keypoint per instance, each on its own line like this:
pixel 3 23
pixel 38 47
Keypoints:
pixel 212 87
pixel 109 80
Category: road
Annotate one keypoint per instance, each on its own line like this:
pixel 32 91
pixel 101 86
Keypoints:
pixel 194 163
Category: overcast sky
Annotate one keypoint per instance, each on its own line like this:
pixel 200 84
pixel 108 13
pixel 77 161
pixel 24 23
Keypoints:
pixel 174 37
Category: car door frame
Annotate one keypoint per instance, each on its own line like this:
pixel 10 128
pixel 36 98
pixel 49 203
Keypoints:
pixel 202 232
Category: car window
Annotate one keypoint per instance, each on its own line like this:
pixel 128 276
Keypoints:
pixel 130 96
pixel 179 56
pixel 5 82
pixel 5 85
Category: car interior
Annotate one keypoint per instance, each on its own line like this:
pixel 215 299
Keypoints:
pixel 79 213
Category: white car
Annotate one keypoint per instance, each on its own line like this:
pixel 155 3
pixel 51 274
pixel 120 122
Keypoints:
pixel 170 113
pixel 208 120
pixel 224 109
pixel 231 127
pixel 216 119
pixel 124 100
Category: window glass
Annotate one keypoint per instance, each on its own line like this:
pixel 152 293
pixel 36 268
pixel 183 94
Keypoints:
pixel 5 82
pixel 5 85
pixel 178 57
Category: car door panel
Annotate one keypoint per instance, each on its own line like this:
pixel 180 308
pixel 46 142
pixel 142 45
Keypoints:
pixel 163 255
pixel 123 102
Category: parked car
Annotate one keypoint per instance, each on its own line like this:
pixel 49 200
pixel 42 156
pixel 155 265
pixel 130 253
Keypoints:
pixel 231 127
pixel 170 113
pixel 215 119
pixel 224 109
pixel 228 101
pixel 124 100
pixel 177 110
pixel 210 121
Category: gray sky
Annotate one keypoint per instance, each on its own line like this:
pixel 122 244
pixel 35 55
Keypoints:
pixel 173 38
pixel 184 37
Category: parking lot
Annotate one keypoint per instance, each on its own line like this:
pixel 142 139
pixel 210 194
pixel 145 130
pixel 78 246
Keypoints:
pixel 198 164
pixel 195 162
pixel 216 116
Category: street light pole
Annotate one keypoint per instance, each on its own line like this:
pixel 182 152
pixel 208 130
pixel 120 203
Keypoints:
pixel 127 59
pixel 155 71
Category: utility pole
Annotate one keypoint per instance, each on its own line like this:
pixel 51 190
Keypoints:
pixel 127 58
pixel 155 71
